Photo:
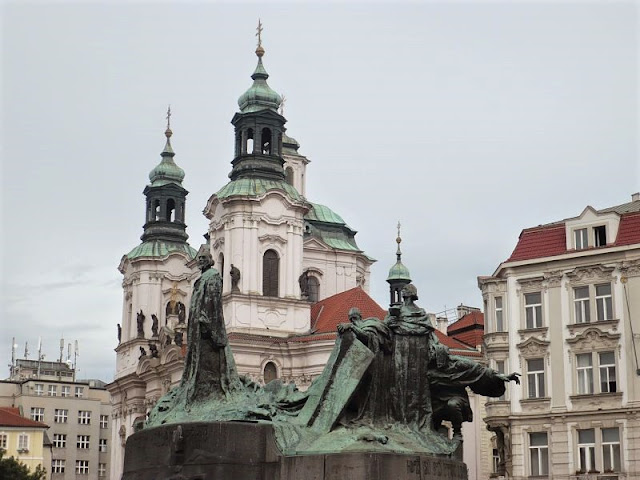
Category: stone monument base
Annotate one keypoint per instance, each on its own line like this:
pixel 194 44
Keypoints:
pixel 248 451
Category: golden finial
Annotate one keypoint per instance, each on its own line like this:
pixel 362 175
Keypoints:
pixel 259 50
pixel 398 240
pixel 284 99
pixel 168 131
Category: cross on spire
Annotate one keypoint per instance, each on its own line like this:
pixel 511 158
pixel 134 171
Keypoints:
pixel 259 33
pixel 169 117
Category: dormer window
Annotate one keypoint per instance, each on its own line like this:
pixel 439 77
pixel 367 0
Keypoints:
pixel 581 238
pixel 600 236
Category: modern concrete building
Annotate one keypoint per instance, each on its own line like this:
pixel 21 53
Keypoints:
pixel 78 439
pixel 564 309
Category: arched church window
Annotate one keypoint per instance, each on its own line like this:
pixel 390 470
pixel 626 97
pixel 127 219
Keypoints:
pixel 171 210
pixel 266 141
pixel 249 145
pixel 156 210
pixel 149 211
pixel 314 289
pixel 270 272
pixel 238 142
pixel 221 266
pixel 270 372
pixel 289 175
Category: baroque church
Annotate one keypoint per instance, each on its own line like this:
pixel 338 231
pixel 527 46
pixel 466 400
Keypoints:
pixel 291 269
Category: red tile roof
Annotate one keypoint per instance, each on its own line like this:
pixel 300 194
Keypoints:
pixel 629 229
pixel 540 242
pixel 469 329
pixel 550 240
pixel 10 417
pixel 328 313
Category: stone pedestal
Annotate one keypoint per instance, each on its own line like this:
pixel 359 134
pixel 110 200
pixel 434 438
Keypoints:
pixel 248 451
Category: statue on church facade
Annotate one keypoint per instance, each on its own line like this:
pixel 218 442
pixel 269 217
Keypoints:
pixel 140 323
pixel 235 278
pixel 154 325
pixel 303 282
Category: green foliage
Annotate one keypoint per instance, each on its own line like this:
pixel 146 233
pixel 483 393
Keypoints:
pixel 12 469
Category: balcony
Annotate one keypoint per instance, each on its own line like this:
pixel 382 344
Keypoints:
pixel 496 341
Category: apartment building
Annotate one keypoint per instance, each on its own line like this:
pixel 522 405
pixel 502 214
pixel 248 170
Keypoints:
pixel 564 310
pixel 77 413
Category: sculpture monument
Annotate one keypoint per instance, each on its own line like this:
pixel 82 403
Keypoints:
pixel 376 407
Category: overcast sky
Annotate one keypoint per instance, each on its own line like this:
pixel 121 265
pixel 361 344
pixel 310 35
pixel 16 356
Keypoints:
pixel 467 122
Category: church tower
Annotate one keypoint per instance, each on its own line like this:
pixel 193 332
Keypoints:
pixel 398 275
pixel 257 220
pixel 156 291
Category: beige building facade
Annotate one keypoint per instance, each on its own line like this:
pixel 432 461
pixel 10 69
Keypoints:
pixel 564 310
pixel 78 440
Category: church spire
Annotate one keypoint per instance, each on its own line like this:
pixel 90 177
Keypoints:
pixel 399 275
pixel 259 128
pixel 166 197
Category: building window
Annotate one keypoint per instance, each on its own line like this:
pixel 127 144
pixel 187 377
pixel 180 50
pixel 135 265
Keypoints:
pixel 60 415
pixel 79 392
pixel 604 364
pixel 102 470
pixel 496 460
pixel 270 372
pixel 37 414
pixel 266 141
pixel 39 389
pixel 539 453
pixel 66 391
pixel 587 450
pixel 82 441
pixel 102 445
pixel 52 390
pixel 535 378
pixel 104 421
pixel 84 417
pixel 57 466
pixel 607 361
pixel 82 467
pixel 533 309
pixel 611 450
pixel 60 440
pixel 3 441
pixel 23 442
pixel 604 307
pixel 270 273
pixel 584 366
pixel 580 237
pixel 600 236
pixel 498 314
pixel 581 304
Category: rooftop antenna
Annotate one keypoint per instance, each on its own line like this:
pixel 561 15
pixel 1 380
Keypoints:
pixel 75 359
pixel 26 350
pixel 39 354
pixel 12 367
pixel 69 352
pixel 61 349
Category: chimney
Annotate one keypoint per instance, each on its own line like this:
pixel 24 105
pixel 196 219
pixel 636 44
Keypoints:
pixel 441 324
pixel 635 197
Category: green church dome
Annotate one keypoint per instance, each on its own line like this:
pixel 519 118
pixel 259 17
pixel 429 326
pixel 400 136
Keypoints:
pixel 399 272
pixel 166 171
pixel 260 96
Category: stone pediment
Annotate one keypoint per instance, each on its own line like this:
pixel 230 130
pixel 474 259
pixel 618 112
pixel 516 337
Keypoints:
pixel 593 338
pixel 533 347
pixel 315 244
pixel 272 239
pixel 590 273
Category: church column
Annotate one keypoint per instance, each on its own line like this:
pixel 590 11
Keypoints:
pixel 256 260
pixel 228 256
pixel 289 278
